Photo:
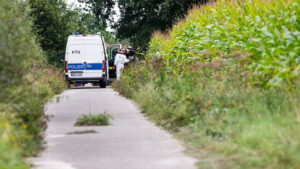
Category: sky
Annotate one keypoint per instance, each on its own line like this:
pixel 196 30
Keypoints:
pixel 116 17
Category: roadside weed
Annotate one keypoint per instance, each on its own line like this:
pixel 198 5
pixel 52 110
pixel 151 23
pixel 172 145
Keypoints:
pixel 94 120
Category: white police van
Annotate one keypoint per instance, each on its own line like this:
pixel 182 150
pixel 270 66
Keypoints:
pixel 86 60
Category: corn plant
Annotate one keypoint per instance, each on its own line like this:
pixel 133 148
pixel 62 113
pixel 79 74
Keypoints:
pixel 266 32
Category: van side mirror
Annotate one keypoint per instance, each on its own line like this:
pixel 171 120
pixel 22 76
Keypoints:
pixel 62 58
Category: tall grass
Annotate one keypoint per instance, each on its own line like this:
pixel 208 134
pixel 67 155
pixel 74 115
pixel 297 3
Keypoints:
pixel 252 127
pixel 230 73
pixel 26 83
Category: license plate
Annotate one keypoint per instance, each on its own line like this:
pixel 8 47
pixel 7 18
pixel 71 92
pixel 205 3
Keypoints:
pixel 76 74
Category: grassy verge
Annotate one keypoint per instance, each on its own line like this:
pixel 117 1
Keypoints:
pixel 226 80
pixel 26 84
pixel 253 127
pixel 22 117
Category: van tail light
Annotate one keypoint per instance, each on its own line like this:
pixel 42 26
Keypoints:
pixel 103 67
pixel 66 67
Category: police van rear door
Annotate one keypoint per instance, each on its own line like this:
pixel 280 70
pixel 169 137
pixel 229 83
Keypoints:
pixel 76 57
pixel 94 57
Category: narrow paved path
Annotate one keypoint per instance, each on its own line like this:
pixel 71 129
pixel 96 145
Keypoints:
pixel 130 143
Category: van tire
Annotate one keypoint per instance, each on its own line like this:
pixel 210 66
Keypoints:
pixel 103 84
pixel 69 84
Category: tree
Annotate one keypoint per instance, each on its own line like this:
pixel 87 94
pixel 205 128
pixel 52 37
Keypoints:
pixel 102 9
pixel 140 18
pixel 53 22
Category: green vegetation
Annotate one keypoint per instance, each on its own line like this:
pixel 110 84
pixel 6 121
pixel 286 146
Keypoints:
pixel 26 83
pixel 230 74
pixel 102 10
pixel 139 18
pixel 263 34
pixel 54 21
pixel 33 36
pixel 94 120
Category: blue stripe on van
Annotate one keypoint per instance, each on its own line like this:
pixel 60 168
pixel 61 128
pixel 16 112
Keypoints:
pixel 89 66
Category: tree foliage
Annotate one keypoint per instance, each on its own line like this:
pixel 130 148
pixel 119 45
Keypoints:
pixel 93 25
pixel 140 18
pixel 54 22
pixel 17 44
pixel 102 9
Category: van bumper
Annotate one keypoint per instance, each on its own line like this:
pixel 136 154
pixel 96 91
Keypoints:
pixel 88 80
pixel 85 80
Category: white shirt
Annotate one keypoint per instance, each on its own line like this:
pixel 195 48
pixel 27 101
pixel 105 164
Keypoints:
pixel 120 60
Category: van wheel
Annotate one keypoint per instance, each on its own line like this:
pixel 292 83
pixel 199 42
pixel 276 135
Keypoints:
pixel 103 84
pixel 69 84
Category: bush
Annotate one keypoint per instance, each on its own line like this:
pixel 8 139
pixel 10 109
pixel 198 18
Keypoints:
pixel 26 83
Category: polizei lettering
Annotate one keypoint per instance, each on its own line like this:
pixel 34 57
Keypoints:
pixel 76 67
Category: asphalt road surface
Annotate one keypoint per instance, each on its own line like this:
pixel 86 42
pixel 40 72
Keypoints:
pixel 131 142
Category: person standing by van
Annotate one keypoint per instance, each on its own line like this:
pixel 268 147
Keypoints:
pixel 120 60
pixel 119 51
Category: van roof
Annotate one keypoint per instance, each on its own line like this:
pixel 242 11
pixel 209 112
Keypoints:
pixel 84 35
